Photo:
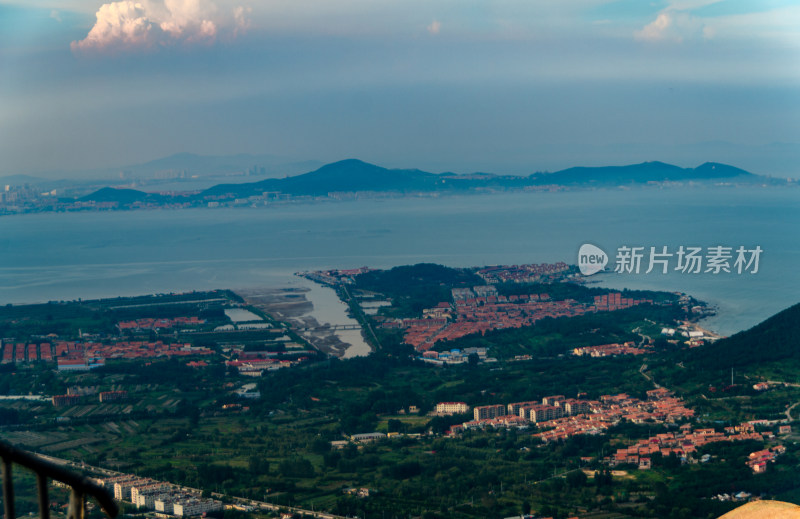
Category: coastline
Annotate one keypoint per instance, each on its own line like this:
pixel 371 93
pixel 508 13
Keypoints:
pixel 139 252
pixel 696 326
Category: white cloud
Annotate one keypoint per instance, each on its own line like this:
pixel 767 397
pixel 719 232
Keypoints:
pixel 241 17
pixel 130 25
pixel 55 15
pixel 673 25
pixel 678 22
pixel 435 27
pixel 119 24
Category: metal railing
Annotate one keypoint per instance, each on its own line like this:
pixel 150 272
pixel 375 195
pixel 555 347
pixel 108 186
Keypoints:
pixel 45 470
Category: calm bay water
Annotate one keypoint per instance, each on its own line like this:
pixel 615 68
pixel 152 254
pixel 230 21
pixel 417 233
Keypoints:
pixel 54 256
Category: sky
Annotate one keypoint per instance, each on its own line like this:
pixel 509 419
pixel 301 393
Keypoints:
pixel 503 86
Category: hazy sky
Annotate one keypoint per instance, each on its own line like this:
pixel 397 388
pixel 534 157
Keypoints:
pixel 464 85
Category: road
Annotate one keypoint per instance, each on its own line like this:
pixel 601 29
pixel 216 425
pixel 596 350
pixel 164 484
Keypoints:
pixel 643 371
pixel 789 411
pixel 779 383
pixel 788 384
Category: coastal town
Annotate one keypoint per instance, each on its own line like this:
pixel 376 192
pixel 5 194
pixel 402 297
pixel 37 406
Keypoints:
pixel 481 309
pixel 557 418
pixel 205 380
pixel 562 417
pixel 325 259
pixel 230 335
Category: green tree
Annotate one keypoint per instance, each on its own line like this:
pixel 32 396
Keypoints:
pixel 576 479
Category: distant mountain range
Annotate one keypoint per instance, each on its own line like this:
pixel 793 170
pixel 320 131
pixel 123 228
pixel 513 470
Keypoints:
pixel 216 165
pixel 352 175
pixel 343 176
pixel 179 166
pixel 355 175
pixel 646 172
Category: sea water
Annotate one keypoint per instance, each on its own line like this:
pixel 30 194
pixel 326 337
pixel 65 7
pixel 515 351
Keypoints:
pixel 67 256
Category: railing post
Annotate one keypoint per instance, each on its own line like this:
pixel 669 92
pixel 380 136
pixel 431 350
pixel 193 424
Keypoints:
pixel 8 490
pixel 76 505
pixel 44 500
pixel 46 470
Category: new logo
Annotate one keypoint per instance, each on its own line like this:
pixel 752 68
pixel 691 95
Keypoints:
pixel 591 259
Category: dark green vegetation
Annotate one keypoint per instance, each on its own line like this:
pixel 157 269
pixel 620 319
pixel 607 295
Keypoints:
pixel 413 288
pixel 775 340
pixel 766 352
pixel 66 319
pixel 97 320
pixel 279 450
pixel 580 293
pixel 551 337
pixel 178 424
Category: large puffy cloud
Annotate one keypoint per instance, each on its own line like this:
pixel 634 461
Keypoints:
pixel 129 25
pixel 683 20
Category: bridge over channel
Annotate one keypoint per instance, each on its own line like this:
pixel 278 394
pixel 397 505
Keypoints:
pixel 330 327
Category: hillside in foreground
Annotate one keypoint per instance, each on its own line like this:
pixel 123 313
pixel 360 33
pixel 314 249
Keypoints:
pixel 776 339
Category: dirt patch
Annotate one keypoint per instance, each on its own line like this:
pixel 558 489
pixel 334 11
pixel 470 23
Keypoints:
pixel 291 306
pixel 282 303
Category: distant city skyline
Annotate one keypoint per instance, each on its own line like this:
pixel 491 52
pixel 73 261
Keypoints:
pixel 507 86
